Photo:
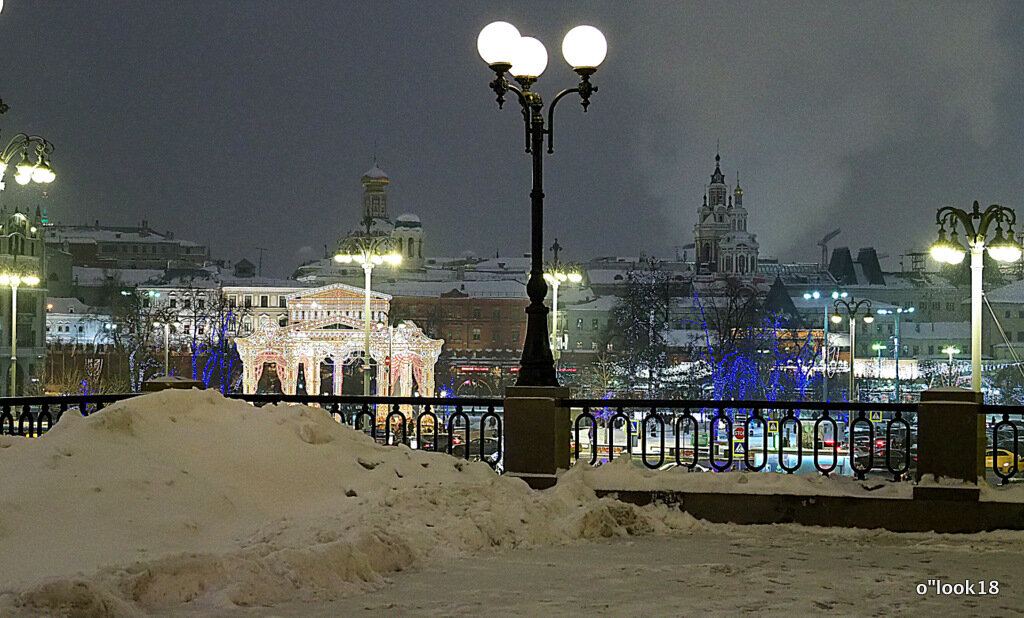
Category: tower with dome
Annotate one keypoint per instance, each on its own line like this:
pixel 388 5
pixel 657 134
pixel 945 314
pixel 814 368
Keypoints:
pixel 722 242
pixel 406 230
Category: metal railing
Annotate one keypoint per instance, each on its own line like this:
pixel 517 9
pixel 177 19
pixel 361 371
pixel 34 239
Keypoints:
pixel 438 424
pixel 1004 454
pixel 721 434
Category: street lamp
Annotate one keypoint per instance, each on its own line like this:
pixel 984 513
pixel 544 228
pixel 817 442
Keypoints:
pixel 878 347
pixel 14 281
pixel 167 339
pixel 951 350
pixel 1002 248
pixel 852 309
pixel 525 58
pixel 556 274
pixel 815 295
pixel 369 251
pixel 27 170
pixel 391 338
pixel 896 313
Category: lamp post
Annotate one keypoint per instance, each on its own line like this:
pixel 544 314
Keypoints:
pixel 14 281
pixel 167 343
pixel 1002 248
pixel 525 58
pixel 878 347
pixel 391 338
pixel 896 313
pixel 369 251
pixel 815 295
pixel 26 170
pixel 951 350
pixel 852 309
pixel 556 274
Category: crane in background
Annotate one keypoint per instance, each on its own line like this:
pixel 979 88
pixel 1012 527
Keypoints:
pixel 823 243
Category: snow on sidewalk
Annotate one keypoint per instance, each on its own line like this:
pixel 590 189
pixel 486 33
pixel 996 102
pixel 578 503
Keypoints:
pixel 185 502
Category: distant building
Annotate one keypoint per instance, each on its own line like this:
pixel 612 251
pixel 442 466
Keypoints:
pixel 104 246
pixel 70 321
pixel 22 254
pixel 722 242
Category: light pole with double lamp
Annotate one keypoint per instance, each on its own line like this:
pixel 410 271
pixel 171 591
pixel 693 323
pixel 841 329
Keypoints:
pixel 951 350
pixel 14 281
pixel 896 313
pixel 816 295
pixel 556 274
pixel 1002 248
pixel 852 309
pixel 368 251
pixel 26 170
pixel 167 343
pixel 524 58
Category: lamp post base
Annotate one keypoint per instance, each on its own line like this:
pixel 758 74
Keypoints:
pixel 537 366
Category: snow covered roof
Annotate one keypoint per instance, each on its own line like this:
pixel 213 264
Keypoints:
pixel 64 304
pixel 91 235
pixel 1013 293
pixel 375 172
pixel 500 288
pixel 90 276
pixel 684 338
pixel 408 220
pixel 935 330
pixel 601 303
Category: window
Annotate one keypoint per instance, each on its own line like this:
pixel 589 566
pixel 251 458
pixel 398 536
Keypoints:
pixel 952 307
pixel 201 303
pixel 476 313
pixel 579 323
pixel 593 324
pixel 937 305
pixel 515 335
pixel 931 350
pixel 1020 315
pixel 282 302
pixel 476 334
pixel 186 303
pixel 915 350
pixel 174 303
pixel 80 329
pixel 1020 336
pixel 497 314
pixel 264 301
pixel 494 336
pixel 1007 314
pixel 232 300
pixel 248 300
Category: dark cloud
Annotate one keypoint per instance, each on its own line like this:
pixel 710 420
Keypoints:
pixel 244 124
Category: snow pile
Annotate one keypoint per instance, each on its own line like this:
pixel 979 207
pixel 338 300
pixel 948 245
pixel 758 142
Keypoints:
pixel 185 497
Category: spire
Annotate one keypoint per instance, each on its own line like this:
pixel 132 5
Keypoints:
pixel 717 177
pixel 738 192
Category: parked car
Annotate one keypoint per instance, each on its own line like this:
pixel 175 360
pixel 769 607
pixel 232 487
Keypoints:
pixel 490 447
pixel 1002 460
pixel 428 440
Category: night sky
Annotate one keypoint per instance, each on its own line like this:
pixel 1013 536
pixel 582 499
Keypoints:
pixel 249 123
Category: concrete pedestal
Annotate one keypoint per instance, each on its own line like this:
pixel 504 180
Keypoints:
pixel 950 435
pixel 536 434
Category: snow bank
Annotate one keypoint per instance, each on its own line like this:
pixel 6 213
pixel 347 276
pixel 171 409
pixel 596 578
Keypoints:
pixel 187 499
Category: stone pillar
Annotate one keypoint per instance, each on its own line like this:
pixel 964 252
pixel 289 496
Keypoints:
pixel 950 438
pixel 536 434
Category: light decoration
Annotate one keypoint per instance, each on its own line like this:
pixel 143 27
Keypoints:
pixel 323 323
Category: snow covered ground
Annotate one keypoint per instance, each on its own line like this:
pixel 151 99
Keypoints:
pixel 184 502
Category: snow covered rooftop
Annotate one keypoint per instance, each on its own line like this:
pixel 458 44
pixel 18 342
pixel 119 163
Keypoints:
pixel 499 288
pixel 90 276
pixel 63 304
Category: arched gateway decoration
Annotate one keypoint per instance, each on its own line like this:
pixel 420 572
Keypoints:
pixel 327 323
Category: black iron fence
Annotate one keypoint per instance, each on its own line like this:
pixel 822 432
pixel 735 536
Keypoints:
pixel 848 438
pixel 1004 452
pixel 858 439
pixel 470 428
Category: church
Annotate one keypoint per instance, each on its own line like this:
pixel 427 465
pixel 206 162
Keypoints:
pixel 406 231
pixel 724 247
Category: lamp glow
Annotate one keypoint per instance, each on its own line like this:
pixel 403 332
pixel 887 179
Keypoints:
pixel 575 277
pixel 497 42
pixel 584 47
pixel 529 59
